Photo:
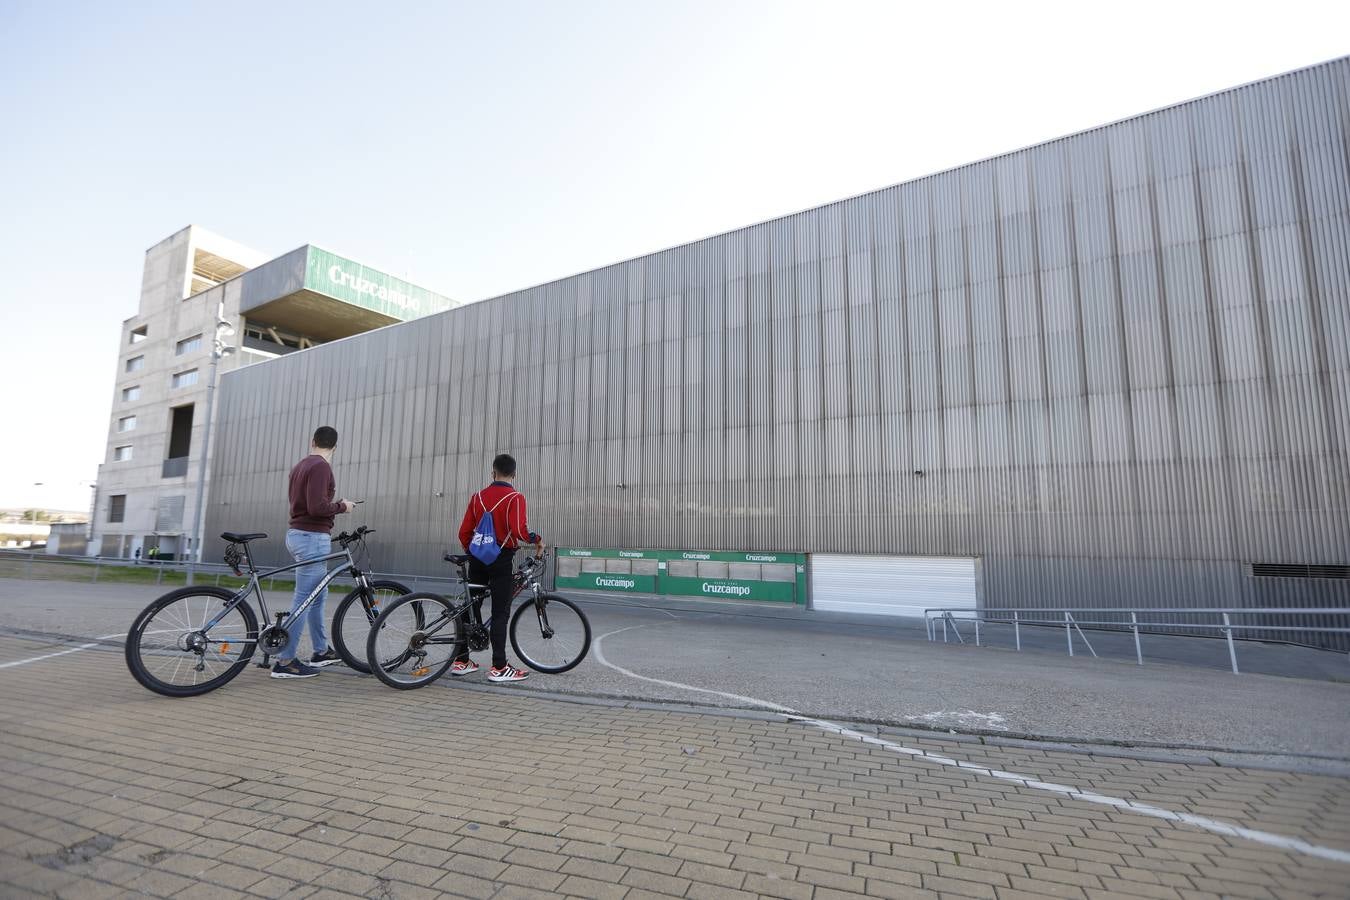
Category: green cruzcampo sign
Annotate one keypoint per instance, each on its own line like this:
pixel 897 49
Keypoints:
pixel 332 275
pixel 730 589
pixel 663 582
pixel 613 581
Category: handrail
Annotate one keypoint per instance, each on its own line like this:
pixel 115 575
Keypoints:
pixel 1070 618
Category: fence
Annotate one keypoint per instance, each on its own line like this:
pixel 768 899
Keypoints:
pixel 1193 620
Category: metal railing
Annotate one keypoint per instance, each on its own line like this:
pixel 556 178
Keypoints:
pixel 1071 620
pixel 29 565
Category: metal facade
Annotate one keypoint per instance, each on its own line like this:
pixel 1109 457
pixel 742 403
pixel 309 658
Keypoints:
pixel 1115 367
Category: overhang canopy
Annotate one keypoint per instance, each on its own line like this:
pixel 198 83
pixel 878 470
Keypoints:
pixel 314 292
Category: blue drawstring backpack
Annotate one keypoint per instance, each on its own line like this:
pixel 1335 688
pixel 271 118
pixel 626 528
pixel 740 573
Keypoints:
pixel 483 545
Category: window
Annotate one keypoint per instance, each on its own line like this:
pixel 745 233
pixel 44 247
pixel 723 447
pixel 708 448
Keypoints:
pixel 122 454
pixel 180 433
pixel 126 423
pixel 136 363
pixel 117 508
pixel 188 345
pixel 185 379
pixel 131 393
pixel 139 334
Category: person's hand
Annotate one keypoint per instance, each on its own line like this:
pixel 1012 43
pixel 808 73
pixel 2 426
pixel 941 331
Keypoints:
pixel 539 548
pixel 347 505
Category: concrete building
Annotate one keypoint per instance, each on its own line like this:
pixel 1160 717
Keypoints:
pixel 68 539
pixel 147 482
pixel 1108 370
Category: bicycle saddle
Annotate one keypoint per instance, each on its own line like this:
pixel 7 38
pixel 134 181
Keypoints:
pixel 242 538
pixel 458 559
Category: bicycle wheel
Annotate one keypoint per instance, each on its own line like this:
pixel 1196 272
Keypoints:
pixel 550 633
pixel 355 614
pixel 170 651
pixel 414 640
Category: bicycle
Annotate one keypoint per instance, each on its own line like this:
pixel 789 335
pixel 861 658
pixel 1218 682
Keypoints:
pixel 418 636
pixel 213 631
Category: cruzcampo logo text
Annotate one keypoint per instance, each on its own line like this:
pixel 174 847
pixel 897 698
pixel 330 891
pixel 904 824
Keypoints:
pixel 334 276
pixel 359 283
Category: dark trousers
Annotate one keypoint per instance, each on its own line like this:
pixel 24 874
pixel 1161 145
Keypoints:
pixel 498 579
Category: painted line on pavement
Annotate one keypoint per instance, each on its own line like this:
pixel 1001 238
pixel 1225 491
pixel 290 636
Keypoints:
pixel 754 701
pixel 1283 842
pixel 33 659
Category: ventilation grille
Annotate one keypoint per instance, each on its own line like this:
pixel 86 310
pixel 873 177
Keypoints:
pixel 1294 570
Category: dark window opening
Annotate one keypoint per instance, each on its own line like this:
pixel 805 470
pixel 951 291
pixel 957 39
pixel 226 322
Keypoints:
pixel 117 508
pixel 180 435
pixel 1297 570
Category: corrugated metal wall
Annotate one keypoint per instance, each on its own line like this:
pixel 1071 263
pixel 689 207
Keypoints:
pixel 1115 367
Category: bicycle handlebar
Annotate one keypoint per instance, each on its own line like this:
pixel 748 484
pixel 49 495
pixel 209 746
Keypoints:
pixel 233 556
pixel 359 534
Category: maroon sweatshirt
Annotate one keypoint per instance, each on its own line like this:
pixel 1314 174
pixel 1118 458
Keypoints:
pixel 312 490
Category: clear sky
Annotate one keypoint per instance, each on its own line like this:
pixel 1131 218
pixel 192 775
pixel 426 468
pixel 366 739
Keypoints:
pixel 478 148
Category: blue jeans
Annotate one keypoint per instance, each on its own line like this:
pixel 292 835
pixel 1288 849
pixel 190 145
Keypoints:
pixel 307 545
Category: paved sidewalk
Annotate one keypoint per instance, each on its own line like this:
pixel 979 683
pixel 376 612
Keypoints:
pixel 338 786
pixel 863 674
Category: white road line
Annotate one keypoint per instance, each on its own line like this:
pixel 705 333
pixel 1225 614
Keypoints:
pixel 600 657
pixel 1264 837
pixel 24 662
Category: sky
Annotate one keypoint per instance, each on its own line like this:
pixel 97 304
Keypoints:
pixel 479 148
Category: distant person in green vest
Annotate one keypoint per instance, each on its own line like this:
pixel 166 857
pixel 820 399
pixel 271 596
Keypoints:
pixel 153 554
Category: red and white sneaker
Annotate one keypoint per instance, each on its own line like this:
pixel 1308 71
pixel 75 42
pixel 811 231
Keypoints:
pixel 463 667
pixel 507 673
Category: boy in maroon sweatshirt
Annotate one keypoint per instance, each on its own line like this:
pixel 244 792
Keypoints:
pixel 508 519
pixel 311 490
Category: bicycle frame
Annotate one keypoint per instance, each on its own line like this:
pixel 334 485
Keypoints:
pixel 467 603
pixel 254 587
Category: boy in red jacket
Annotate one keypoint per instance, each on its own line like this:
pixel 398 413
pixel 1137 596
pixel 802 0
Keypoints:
pixel 508 519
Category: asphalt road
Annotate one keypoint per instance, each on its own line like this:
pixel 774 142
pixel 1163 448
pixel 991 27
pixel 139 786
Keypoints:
pixel 858 673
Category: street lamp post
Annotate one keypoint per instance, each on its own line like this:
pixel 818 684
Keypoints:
pixel 218 349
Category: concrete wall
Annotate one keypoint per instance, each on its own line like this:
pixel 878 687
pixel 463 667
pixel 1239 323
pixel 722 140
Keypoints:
pixel 1115 367
pixel 170 316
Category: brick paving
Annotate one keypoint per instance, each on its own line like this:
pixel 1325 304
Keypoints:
pixel 340 787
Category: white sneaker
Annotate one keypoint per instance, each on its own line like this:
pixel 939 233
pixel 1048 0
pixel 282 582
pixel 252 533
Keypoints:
pixel 507 674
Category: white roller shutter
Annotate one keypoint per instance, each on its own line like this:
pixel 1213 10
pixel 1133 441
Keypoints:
pixel 892 585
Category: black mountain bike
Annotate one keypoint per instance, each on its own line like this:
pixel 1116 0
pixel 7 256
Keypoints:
pixel 418 636
pixel 195 639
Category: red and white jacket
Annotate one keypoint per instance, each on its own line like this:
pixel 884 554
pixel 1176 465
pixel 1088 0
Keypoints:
pixel 508 516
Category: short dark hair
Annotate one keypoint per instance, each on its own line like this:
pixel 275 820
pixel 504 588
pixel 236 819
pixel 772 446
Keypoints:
pixel 504 464
pixel 325 437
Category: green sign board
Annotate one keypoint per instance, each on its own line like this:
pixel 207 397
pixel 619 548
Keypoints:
pixel 332 275
pixel 612 581
pixel 729 588
pixel 664 583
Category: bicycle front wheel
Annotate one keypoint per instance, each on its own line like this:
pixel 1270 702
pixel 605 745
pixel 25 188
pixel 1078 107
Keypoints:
pixel 354 617
pixel 172 651
pixel 414 640
pixel 550 634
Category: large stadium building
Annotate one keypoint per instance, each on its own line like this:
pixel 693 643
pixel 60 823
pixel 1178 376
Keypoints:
pixel 194 280
pixel 1109 370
